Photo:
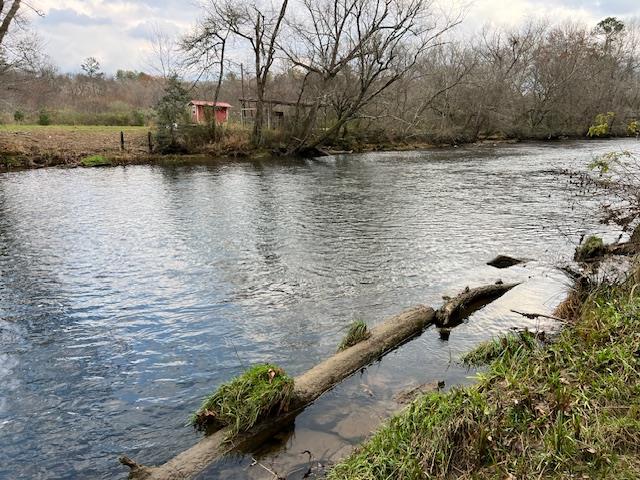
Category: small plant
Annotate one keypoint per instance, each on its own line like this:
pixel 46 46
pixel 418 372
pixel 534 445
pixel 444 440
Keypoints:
pixel 18 116
pixel 602 127
pixel 260 391
pixel 95 161
pixel 44 118
pixel 634 127
pixel 591 248
pixel 358 332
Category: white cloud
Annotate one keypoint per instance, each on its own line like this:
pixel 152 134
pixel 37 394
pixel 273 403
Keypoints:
pixel 114 31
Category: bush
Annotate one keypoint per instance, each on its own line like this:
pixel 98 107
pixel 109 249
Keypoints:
pixel 241 403
pixel 593 247
pixel 18 116
pixel 44 118
pixel 602 127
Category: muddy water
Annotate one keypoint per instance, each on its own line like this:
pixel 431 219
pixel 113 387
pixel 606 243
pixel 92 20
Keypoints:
pixel 127 294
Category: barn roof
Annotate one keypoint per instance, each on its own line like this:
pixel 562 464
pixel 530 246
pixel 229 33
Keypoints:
pixel 210 104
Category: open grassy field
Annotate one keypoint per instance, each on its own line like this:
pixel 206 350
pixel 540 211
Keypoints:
pixel 59 144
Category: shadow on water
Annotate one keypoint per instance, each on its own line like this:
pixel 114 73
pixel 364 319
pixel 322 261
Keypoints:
pixel 128 294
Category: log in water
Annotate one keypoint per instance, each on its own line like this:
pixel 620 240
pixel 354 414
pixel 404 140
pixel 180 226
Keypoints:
pixel 387 336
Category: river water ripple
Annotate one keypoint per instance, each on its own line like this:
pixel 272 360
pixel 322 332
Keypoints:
pixel 128 294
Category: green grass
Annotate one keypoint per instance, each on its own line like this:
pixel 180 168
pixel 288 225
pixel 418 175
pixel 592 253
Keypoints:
pixel 13 128
pixel 509 344
pixel 569 409
pixel 358 332
pixel 260 391
pixel 95 161
pixel 590 248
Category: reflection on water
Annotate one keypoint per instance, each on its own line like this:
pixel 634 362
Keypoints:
pixel 130 293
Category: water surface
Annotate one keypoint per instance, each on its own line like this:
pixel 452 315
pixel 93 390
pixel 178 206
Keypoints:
pixel 127 294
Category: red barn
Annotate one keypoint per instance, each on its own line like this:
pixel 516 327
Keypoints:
pixel 201 110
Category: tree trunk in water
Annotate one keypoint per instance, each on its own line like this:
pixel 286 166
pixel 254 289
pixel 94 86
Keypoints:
pixel 467 302
pixel 387 336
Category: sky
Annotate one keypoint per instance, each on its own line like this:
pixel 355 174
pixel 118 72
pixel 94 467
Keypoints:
pixel 118 32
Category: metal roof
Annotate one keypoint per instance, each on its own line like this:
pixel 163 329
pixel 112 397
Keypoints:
pixel 210 104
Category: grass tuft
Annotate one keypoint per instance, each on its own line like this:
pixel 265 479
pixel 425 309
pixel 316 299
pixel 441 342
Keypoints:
pixel 260 391
pixel 567 409
pixel 95 161
pixel 592 247
pixel 510 344
pixel 358 332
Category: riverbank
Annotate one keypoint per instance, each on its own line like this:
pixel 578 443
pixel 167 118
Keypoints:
pixel 564 409
pixel 35 146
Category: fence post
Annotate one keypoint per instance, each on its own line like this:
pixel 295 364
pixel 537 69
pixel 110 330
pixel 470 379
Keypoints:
pixel 122 141
pixel 150 142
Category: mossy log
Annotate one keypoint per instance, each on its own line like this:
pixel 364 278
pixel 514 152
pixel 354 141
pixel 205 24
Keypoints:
pixel 467 302
pixel 387 336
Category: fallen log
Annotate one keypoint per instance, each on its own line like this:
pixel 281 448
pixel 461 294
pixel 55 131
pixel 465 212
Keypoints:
pixel 628 248
pixel 458 308
pixel 387 336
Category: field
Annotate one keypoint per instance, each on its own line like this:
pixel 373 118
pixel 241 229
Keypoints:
pixel 63 144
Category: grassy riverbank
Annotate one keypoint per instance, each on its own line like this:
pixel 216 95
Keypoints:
pixel 36 146
pixel 565 409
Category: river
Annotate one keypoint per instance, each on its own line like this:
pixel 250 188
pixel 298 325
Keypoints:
pixel 129 293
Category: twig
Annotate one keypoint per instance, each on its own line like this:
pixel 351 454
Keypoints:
pixel 275 475
pixel 533 316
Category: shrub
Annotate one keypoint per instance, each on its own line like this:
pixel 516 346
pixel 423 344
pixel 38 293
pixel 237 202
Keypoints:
pixel 260 391
pixel 591 248
pixel 18 116
pixel 634 127
pixel 358 332
pixel 172 112
pixel 602 127
pixel 44 118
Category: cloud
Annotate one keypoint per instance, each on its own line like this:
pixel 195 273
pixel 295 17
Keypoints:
pixel 117 32
pixel 56 17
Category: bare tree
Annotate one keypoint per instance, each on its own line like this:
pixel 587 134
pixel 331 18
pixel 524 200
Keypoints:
pixel 259 27
pixel 357 49
pixel 205 50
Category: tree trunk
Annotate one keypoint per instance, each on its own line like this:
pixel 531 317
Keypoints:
pixel 257 137
pixel 11 14
pixel 387 336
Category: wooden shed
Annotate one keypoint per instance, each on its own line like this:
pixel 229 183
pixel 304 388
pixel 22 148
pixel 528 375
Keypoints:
pixel 202 110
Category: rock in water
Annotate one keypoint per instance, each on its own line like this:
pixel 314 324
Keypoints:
pixel 504 261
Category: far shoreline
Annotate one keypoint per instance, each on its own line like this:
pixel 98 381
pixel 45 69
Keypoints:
pixel 29 147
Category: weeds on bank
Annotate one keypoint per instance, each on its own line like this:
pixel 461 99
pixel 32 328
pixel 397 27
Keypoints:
pixel 95 161
pixel 592 247
pixel 569 409
pixel 514 344
pixel 260 391
pixel 358 332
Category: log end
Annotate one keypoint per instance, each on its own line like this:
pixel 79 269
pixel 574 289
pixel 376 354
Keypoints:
pixel 460 307
pixel 138 471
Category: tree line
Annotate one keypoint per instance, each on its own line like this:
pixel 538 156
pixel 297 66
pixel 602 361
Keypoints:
pixel 348 71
